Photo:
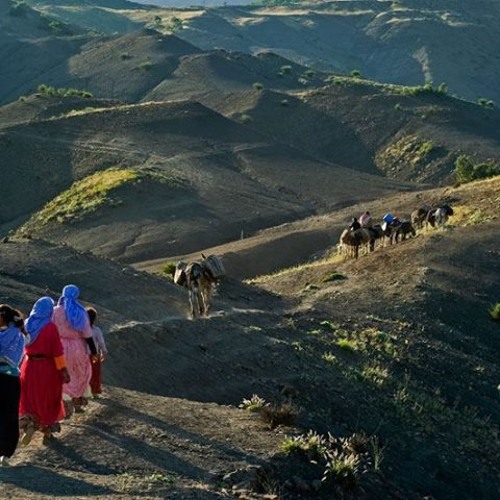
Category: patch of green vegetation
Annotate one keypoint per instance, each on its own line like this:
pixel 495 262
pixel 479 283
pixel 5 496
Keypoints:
pixel 311 444
pixel 286 69
pixel 478 217
pixel 257 86
pixel 374 373
pixel 62 92
pixel 329 358
pixel 284 102
pixel 347 344
pixel 310 73
pixel 125 55
pixel 333 276
pixel 146 65
pixel 355 73
pixel 86 195
pixel 255 403
pixel 407 150
pixel 466 170
pixel 495 311
pixel 168 269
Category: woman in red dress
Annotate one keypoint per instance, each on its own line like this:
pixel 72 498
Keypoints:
pixel 43 373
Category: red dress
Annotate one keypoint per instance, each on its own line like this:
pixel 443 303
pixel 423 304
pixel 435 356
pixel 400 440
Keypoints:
pixel 41 381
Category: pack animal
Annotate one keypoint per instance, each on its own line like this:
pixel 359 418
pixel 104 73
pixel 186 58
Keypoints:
pixel 357 238
pixel 199 279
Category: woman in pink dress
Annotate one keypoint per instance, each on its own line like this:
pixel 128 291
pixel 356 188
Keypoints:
pixel 73 324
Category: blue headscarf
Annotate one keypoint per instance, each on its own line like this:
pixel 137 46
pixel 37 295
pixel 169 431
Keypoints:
pixel 75 312
pixel 11 345
pixel 40 315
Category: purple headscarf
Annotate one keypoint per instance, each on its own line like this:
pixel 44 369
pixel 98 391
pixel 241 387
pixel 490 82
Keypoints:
pixel 11 345
pixel 75 312
pixel 40 315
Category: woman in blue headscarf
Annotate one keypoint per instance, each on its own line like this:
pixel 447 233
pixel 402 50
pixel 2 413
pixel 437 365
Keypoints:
pixel 72 321
pixel 11 354
pixel 42 374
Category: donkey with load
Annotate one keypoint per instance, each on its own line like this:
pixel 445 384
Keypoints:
pixel 199 277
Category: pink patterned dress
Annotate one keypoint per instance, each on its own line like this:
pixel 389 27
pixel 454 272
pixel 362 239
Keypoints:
pixel 75 353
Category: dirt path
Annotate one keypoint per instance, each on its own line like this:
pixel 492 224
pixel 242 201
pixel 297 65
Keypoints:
pixel 134 445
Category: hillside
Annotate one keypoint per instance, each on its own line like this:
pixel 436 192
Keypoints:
pixel 206 179
pixel 403 344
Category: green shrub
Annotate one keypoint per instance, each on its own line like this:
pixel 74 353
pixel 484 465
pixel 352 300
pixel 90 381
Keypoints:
pixel 495 312
pixel 168 269
pixel 245 118
pixel 257 86
pixel 355 73
pixel 146 65
pixel 333 276
pixel 286 69
pixel 62 92
pixel 125 55
pixel 467 171
pixel 310 73
pixel 397 107
pixel 255 403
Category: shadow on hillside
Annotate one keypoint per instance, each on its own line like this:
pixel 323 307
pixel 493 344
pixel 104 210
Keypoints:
pixel 44 481
pixel 161 457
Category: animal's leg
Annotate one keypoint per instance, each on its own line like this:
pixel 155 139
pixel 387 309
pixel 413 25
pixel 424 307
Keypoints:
pixel 207 298
pixel 191 303
pixel 356 251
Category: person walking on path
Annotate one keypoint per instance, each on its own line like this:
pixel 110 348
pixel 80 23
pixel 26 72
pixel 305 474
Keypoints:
pixel 72 321
pixel 42 374
pixel 12 341
pixel 102 352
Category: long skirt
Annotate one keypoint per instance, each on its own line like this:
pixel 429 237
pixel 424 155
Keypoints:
pixel 10 392
pixel 95 381
pixel 41 395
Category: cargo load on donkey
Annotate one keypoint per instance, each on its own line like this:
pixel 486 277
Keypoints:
pixel 213 264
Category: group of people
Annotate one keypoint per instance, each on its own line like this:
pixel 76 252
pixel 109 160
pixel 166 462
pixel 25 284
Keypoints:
pixel 50 363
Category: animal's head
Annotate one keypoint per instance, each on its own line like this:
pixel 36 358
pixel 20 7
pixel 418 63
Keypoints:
pixel 448 210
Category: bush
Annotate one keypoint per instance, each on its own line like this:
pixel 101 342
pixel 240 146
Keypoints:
pixel 355 73
pixel 279 414
pixel 495 312
pixel 146 65
pixel 255 403
pixel 286 69
pixel 168 269
pixel 62 92
pixel 257 86
pixel 467 171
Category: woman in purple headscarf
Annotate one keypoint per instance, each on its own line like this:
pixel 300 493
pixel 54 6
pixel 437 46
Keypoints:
pixel 11 354
pixel 42 374
pixel 72 321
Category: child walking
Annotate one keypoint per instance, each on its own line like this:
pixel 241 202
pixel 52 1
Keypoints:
pixel 102 352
